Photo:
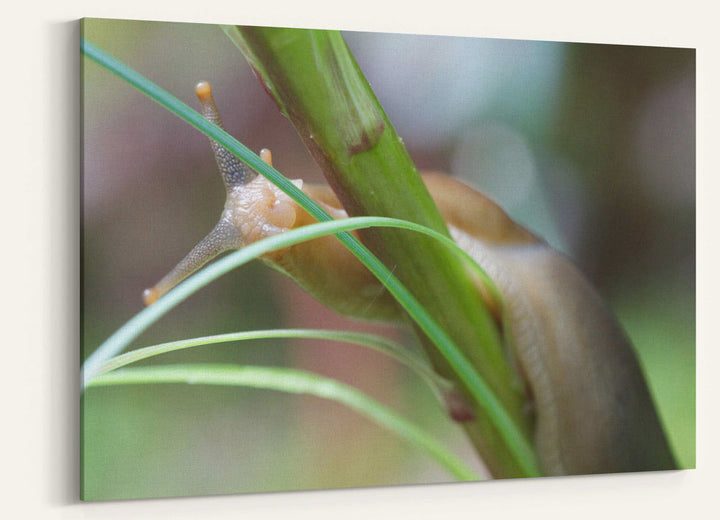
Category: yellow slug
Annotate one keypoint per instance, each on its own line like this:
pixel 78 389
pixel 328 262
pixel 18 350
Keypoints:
pixel 593 411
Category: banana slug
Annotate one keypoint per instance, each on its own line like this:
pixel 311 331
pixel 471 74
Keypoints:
pixel 593 411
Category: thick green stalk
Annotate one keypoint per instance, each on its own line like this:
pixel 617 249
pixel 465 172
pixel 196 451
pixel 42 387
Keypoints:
pixel 317 84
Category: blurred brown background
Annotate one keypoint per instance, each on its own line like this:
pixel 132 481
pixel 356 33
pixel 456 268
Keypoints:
pixel 591 146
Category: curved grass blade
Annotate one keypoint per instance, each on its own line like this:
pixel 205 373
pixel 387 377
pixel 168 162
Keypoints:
pixel 296 382
pixel 373 341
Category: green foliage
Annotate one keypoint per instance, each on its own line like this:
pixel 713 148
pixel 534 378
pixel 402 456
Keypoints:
pixel 517 444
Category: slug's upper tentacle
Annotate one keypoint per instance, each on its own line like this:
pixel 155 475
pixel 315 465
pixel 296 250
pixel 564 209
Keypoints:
pixel 234 172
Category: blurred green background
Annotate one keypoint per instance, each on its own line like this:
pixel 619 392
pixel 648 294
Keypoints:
pixel 590 146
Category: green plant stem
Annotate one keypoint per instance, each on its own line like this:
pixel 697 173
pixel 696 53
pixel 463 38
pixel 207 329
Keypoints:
pixel 298 382
pixel 317 84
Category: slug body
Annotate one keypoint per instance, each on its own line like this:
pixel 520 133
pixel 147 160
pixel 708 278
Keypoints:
pixel 593 411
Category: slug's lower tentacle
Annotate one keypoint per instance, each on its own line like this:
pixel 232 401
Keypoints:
pixel 223 237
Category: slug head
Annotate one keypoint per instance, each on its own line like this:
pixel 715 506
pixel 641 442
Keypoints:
pixel 254 208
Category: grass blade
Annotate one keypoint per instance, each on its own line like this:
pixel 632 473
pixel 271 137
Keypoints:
pixel 373 341
pixel 296 382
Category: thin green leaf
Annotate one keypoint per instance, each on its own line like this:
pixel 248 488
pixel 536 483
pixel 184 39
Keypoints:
pixel 296 382
pixel 376 342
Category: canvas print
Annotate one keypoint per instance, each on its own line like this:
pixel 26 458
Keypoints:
pixel 325 259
